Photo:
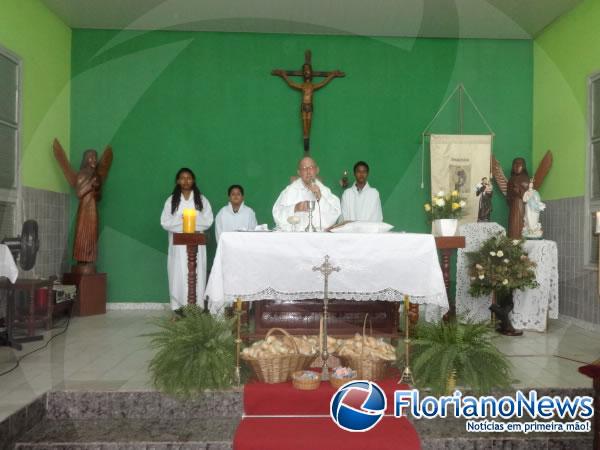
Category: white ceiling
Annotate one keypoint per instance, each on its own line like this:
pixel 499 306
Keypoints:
pixel 502 19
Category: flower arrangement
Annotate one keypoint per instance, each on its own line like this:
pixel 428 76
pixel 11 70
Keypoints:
pixel 343 372
pixel 501 265
pixel 445 206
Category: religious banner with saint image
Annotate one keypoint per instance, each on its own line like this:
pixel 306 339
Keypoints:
pixel 458 163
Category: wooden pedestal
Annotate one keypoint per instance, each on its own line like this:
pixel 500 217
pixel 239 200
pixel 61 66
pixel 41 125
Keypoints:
pixel 91 293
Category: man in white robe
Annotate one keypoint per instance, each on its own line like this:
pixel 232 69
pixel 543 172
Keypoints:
pixel 294 200
pixel 361 201
pixel 177 269
pixel 235 216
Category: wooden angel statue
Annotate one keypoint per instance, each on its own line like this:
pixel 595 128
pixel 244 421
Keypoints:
pixel 87 183
pixel 515 187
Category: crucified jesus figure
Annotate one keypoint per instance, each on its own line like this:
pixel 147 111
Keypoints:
pixel 308 88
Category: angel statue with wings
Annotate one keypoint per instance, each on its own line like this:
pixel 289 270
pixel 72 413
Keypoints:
pixel 87 183
pixel 516 186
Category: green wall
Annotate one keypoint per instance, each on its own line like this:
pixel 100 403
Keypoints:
pixel 43 42
pixel 565 55
pixel 207 101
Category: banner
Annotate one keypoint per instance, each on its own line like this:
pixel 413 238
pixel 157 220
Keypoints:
pixel 458 163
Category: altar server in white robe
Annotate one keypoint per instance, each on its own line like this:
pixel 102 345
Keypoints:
pixel 294 200
pixel 185 195
pixel 361 201
pixel 235 216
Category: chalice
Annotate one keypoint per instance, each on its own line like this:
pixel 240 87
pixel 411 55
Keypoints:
pixel 293 221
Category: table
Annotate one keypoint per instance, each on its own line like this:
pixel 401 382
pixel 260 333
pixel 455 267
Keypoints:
pixel 278 266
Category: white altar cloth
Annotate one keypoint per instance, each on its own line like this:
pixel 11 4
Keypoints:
pixel 279 266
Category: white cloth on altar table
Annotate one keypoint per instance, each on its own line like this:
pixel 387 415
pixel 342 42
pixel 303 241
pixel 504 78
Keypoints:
pixel 459 162
pixel 532 307
pixel 8 267
pixel 326 212
pixel 363 204
pixel 177 268
pixel 279 266
pixel 229 220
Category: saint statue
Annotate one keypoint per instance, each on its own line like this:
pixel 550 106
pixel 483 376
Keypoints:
pixel 533 207
pixel 484 191
pixel 87 184
pixel 514 189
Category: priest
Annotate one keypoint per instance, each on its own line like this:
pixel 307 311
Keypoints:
pixel 297 198
pixel 361 201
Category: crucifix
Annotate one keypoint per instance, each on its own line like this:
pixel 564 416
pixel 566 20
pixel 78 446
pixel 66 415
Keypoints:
pixel 308 88
pixel 326 269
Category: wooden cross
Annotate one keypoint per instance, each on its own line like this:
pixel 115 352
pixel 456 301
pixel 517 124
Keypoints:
pixel 308 88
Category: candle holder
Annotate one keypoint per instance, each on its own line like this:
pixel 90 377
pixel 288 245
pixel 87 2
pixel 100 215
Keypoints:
pixel 407 376
pixel 326 269
pixel 238 340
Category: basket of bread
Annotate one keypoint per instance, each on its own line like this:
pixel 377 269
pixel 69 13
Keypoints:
pixel 370 357
pixel 274 359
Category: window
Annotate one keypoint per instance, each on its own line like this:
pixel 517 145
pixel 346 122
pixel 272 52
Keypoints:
pixel 10 122
pixel 593 170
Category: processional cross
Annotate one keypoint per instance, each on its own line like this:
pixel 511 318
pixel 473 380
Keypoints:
pixel 308 88
pixel 326 269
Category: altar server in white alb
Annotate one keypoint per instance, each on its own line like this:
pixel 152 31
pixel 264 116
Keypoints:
pixel 235 216
pixel 185 195
pixel 361 201
pixel 295 200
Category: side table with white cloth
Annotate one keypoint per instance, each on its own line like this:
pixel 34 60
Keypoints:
pixel 278 266
pixel 532 307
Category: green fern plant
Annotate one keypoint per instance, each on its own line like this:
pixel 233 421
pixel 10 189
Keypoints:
pixel 194 353
pixel 444 353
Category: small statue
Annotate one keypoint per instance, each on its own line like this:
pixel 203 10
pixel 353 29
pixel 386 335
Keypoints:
pixel 87 183
pixel 514 189
pixel 484 191
pixel 533 206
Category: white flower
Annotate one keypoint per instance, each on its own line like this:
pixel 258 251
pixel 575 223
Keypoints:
pixel 515 242
pixel 440 202
pixel 478 266
pixel 500 254
pixel 472 278
pixel 462 203
pixel 505 282
pixel 506 261
pixel 441 194
pixel 492 253
pixel 481 277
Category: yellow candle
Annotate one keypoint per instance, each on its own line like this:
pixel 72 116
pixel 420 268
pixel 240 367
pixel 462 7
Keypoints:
pixel 189 220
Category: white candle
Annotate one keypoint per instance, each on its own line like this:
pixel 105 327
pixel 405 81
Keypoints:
pixel 597 222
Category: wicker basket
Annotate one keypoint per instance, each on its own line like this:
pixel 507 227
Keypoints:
pixel 279 369
pixel 339 382
pixel 305 384
pixel 367 368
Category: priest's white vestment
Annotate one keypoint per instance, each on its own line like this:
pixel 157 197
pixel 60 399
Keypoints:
pixel 229 220
pixel 326 212
pixel 177 269
pixel 362 204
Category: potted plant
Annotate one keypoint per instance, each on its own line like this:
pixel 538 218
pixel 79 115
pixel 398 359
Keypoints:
pixel 445 354
pixel 444 211
pixel 498 268
pixel 194 352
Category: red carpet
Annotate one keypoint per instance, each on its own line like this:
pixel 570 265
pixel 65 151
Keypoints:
pixel 304 433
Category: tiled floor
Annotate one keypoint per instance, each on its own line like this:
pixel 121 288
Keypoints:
pixel 110 352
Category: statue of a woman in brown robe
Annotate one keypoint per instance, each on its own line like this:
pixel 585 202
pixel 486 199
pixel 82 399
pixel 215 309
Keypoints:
pixel 87 184
pixel 515 187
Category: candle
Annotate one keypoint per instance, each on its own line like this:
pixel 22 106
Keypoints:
pixel 189 220
pixel 238 304
pixel 597 222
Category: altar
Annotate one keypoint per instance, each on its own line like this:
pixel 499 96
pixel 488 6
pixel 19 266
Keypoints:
pixel 278 266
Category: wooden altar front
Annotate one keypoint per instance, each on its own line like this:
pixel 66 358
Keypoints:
pixel 346 317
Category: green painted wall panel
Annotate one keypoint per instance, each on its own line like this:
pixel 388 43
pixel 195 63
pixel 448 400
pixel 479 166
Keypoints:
pixel 207 101
pixel 565 55
pixel 43 42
